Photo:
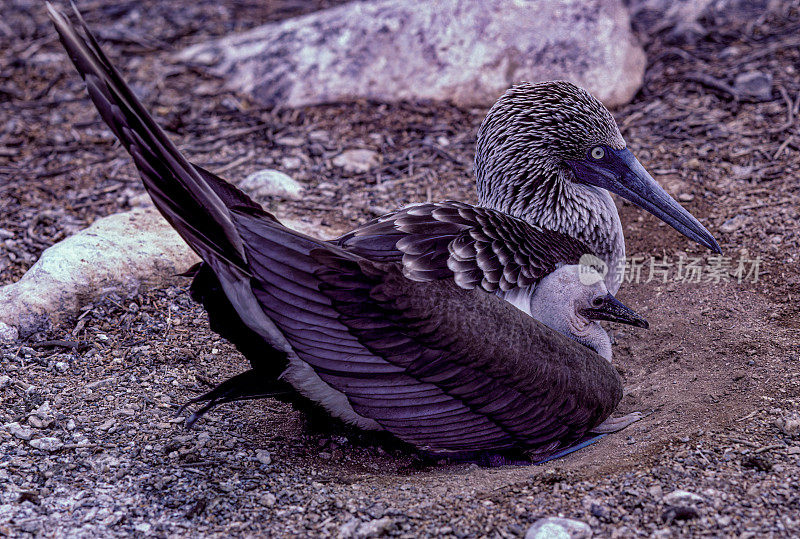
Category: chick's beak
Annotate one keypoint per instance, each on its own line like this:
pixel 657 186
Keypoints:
pixel 613 310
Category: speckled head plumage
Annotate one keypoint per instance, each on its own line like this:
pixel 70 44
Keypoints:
pixel 531 130
pixel 549 152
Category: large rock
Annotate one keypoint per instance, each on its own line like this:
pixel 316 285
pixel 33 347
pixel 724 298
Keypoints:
pixel 120 253
pixel 117 253
pixel 460 50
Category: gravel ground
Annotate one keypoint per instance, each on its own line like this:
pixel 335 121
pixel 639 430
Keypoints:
pixel 89 441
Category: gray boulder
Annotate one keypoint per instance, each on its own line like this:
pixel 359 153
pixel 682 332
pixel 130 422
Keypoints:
pixel 467 51
pixel 119 253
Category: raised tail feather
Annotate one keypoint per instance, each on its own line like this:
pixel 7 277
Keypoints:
pixel 192 199
pixel 196 203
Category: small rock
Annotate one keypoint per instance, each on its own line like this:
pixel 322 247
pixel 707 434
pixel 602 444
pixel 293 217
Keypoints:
pixel 18 431
pixel 263 456
pixel 348 529
pixel 740 171
pixel 723 520
pixel 375 528
pixel 733 224
pixel 271 183
pixel 754 84
pixel 5 381
pixel 292 142
pixel 48 443
pixel 143 527
pixel 600 511
pixel 558 528
pixel 685 197
pixel 39 423
pixel 356 161
pixel 319 136
pixel 291 163
pixel 789 424
pixel 268 499
pixel 682 497
pixel 8 333
pixel 656 491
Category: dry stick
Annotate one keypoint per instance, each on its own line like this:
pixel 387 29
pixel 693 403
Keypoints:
pixel 789 113
pixel 235 163
pixel 713 83
pixel 768 448
pixel 228 134
pixel 783 146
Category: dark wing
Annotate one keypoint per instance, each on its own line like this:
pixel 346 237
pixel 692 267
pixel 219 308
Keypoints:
pixel 478 247
pixel 446 369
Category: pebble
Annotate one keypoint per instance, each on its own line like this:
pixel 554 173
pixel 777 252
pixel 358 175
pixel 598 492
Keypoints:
pixel 263 456
pixel 18 431
pixel 357 160
pixel 292 142
pixel 733 224
pixel 558 528
pixel 685 197
pixel 271 183
pixel 5 381
pixel 789 424
pixel 291 163
pixel 348 529
pixel 268 499
pixel 375 528
pixel 42 417
pixel 682 496
pixel 8 333
pixel 754 83
pixel 48 443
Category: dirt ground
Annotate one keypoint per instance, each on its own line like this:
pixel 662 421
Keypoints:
pixel 718 369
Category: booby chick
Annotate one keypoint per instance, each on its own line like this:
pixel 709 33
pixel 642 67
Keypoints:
pixel 445 367
pixel 550 152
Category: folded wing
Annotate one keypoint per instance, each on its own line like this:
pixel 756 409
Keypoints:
pixel 441 367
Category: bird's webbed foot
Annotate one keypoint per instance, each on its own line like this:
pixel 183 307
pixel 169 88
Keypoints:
pixel 614 424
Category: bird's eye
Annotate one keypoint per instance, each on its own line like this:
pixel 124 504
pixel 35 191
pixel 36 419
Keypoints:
pixel 597 302
pixel 598 152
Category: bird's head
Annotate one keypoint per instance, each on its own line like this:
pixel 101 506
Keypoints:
pixel 573 299
pixel 538 136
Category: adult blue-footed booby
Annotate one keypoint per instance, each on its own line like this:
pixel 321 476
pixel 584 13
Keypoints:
pixel 549 153
pixel 395 333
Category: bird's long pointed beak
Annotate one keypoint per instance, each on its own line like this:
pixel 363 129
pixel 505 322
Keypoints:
pixel 621 173
pixel 613 310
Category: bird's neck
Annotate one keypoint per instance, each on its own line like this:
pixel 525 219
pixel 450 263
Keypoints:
pixel 556 202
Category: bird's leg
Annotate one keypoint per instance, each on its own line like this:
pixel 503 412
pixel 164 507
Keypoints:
pixel 248 385
pixel 613 424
